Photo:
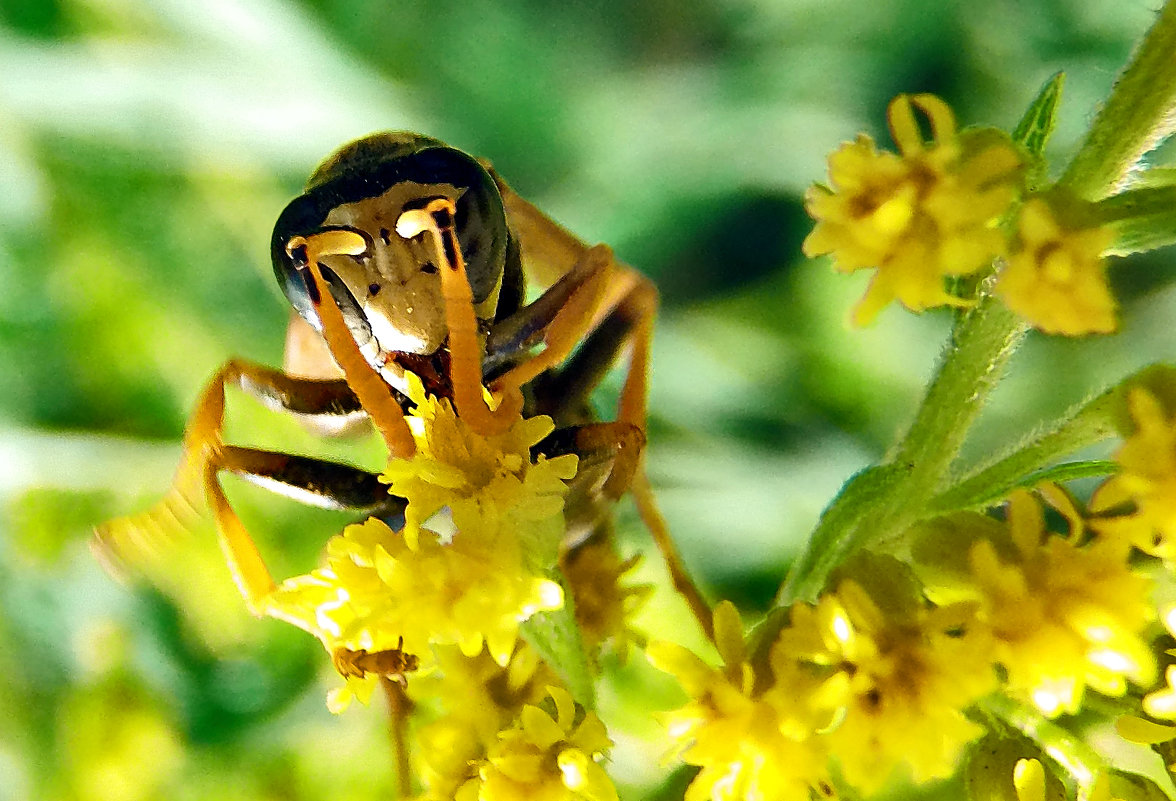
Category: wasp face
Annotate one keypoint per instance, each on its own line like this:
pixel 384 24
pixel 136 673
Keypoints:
pixel 390 294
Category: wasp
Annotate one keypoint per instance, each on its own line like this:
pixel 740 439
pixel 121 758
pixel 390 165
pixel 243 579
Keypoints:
pixel 405 255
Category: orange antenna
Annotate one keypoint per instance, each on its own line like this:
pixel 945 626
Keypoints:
pixel 465 362
pixel 373 393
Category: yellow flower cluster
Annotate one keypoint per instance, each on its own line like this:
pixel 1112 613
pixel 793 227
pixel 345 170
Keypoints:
pixel 935 211
pixel 466 578
pixel 490 484
pixel 1064 615
pixel 749 742
pixel 1138 505
pixel 895 678
pixel 480 698
pixel 545 758
pixel 918 217
pixel 1055 277
pixel 875 677
pixel 1136 508
pixel 593 572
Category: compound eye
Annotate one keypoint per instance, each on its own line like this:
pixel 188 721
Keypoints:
pixel 291 254
pixel 481 227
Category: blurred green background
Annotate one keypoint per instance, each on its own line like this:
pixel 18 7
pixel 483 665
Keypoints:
pixel 146 147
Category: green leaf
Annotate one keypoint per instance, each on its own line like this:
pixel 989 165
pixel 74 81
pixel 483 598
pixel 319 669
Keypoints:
pixel 997 492
pixel 1143 218
pixel 1136 787
pixel 1136 117
pixel 1033 459
pixel 1034 129
pixel 556 638
pixel 838 533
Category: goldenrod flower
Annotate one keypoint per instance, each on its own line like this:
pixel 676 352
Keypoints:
pixel 603 605
pixel 469 583
pixel 545 758
pixel 490 485
pixel 1056 277
pixel 1162 703
pixel 480 698
pixel 748 744
pixel 375 590
pixel 895 681
pixel 917 217
pixel 1146 482
pixel 1064 616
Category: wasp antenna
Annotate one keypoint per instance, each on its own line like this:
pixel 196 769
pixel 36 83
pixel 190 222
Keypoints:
pixel 373 393
pixel 435 218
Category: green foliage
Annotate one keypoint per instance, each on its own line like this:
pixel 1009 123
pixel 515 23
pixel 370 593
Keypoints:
pixel 146 151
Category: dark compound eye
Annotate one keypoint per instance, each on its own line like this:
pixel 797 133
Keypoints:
pixel 367 169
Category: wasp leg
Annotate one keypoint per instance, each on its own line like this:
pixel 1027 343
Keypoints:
pixel 623 316
pixel 609 455
pixel 313 482
pixel 382 405
pixel 141 538
pixel 597 289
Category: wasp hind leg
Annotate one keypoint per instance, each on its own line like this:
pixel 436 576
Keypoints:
pixel 143 539
pixel 621 317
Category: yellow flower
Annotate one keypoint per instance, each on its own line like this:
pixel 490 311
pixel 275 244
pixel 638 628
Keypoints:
pixel 918 217
pixel 490 485
pixel 593 572
pixel 375 590
pixel 1056 277
pixel 480 698
pixel 545 758
pixel 1162 703
pixel 749 744
pixel 470 579
pixel 895 680
pixel 1064 616
pixel 1146 482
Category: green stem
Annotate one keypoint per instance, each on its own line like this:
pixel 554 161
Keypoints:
pixel 1136 117
pixel 981 346
pixel 1144 218
pixel 881 502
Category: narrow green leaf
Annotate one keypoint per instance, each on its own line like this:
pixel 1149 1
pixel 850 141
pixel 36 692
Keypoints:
pixel 1035 458
pixel 1134 119
pixel 983 497
pixel 1137 787
pixel 1144 218
pixel 556 638
pixel 1034 129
